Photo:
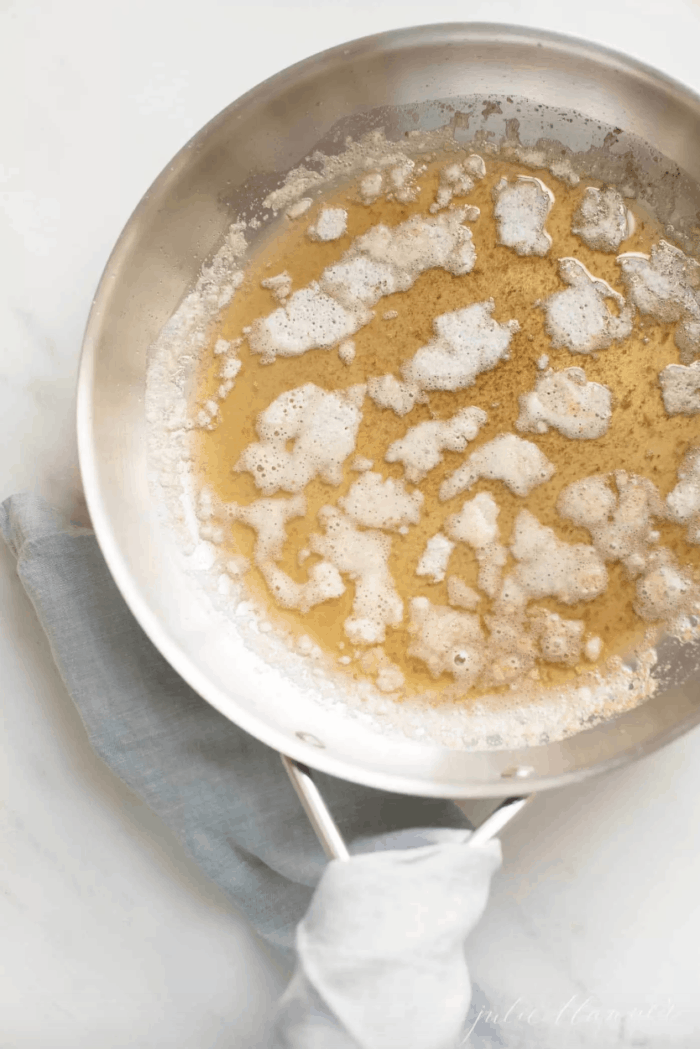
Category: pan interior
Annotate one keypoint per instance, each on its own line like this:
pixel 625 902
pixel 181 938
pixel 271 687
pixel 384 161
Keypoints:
pixel 168 583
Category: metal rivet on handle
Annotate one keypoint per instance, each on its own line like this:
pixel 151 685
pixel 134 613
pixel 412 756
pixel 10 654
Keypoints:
pixel 313 741
pixel 518 772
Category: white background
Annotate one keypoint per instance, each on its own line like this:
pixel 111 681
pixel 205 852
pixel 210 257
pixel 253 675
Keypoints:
pixel 109 936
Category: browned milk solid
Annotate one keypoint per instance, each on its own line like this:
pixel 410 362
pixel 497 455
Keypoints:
pixel 641 438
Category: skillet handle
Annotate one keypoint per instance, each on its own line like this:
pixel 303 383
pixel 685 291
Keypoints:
pixel 316 809
pixel 499 818
pixel 332 840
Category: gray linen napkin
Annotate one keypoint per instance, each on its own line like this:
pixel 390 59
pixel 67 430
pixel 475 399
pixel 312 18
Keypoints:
pixel 227 798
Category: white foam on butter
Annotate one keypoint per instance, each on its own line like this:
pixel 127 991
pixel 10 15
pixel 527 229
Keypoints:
pixel 379 262
pixel 280 285
pixel 578 317
pixel 619 521
pixel 518 463
pixel 602 220
pixel 396 180
pixel 389 678
pixel 460 595
pixel 330 224
pixel 359 282
pixel 620 524
pixel 567 402
pixel 592 648
pixel 435 558
pixel 683 502
pixel 559 639
pixel 376 502
pixel 324 584
pixel 371 187
pixel 492 560
pixel 512 649
pixel 206 415
pixel 521 209
pixel 230 367
pixel 323 427
pixel 446 641
pixel 400 181
pixel 467 342
pixel 665 285
pixel 389 392
pixel 549 567
pixel 346 351
pixel 364 557
pixel 237 566
pixel 421 244
pixel 375 661
pixel 268 517
pixel 310 320
pixel 457 179
pixel 420 450
pixel 665 590
pixel 299 207
pixel 207 517
pixel 539 159
pixel 680 388
pixel 477 525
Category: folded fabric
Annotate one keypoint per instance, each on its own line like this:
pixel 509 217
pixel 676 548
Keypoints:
pixel 380 951
pixel 227 798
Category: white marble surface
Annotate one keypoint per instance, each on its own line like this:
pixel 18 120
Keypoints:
pixel 110 935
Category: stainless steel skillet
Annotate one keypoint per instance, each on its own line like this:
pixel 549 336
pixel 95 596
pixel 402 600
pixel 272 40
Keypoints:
pixel 478 77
